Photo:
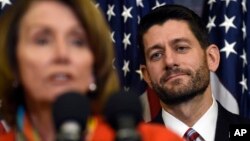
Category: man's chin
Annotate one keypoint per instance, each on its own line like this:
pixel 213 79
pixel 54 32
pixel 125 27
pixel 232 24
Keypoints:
pixel 176 98
pixel 172 95
pixel 176 89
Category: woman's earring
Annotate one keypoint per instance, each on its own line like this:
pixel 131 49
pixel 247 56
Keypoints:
pixel 92 86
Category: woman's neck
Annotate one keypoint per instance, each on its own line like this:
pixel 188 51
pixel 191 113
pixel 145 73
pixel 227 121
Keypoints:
pixel 41 119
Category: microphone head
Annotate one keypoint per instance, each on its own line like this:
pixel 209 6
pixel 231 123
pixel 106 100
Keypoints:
pixel 121 105
pixel 71 107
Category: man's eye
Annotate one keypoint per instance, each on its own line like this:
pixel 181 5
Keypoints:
pixel 156 56
pixel 182 49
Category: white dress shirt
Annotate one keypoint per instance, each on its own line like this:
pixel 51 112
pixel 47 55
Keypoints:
pixel 205 126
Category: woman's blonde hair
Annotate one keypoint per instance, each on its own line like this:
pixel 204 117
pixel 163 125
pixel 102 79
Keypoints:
pixel 101 44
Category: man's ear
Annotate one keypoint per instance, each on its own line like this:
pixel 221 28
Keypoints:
pixel 145 74
pixel 213 57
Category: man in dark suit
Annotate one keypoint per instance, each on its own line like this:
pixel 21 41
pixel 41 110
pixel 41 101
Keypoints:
pixel 178 61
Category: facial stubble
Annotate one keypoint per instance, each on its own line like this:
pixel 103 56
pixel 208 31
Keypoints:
pixel 180 92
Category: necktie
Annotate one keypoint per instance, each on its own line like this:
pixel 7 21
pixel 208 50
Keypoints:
pixel 192 135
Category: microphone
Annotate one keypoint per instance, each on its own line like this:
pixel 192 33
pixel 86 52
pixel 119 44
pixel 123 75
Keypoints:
pixel 70 112
pixel 123 112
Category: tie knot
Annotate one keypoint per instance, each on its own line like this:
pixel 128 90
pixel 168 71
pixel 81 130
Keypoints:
pixel 192 135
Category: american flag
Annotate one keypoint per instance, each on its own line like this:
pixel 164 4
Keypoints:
pixel 228 22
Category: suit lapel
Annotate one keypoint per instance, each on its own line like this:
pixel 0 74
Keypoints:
pixel 222 129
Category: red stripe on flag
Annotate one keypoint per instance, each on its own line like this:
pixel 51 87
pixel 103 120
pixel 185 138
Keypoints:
pixel 154 103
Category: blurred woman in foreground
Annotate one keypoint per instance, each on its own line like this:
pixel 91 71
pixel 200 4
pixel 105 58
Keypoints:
pixel 49 47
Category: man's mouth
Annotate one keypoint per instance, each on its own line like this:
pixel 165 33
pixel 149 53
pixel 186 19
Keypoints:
pixel 174 76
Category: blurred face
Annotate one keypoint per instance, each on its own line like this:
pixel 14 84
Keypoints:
pixel 53 52
pixel 176 65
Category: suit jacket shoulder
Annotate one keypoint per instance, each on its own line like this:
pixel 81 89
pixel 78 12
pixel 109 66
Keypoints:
pixel 225 119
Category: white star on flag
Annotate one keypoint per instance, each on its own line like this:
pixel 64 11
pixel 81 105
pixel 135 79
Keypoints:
pixel 110 11
pixel 125 67
pixel 211 23
pixel 244 30
pixel 140 73
pixel 126 89
pixel 138 19
pixel 157 4
pixel 126 13
pixel 244 7
pixel 210 3
pixel 97 5
pixel 139 3
pixel 126 41
pixel 243 82
pixel 228 23
pixel 228 48
pixel 4 2
pixel 112 36
pixel 244 57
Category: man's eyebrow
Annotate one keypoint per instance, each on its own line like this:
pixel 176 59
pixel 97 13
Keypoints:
pixel 177 40
pixel 156 46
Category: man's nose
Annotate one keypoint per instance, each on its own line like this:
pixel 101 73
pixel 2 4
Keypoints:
pixel 170 58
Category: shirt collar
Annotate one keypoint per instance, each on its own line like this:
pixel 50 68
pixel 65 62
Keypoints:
pixel 205 126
